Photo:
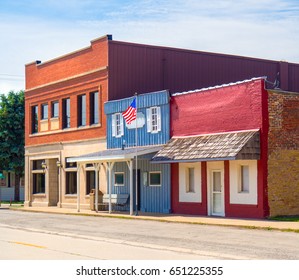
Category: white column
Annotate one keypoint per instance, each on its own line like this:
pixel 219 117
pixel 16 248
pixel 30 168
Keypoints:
pixel 110 168
pixel 130 165
pixel 97 168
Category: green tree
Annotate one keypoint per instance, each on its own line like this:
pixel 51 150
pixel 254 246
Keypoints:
pixel 12 135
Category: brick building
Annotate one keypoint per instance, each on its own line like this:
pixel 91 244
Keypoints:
pixel 234 151
pixel 64 100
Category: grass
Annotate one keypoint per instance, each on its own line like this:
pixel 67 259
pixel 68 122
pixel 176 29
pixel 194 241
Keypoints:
pixel 286 218
pixel 12 202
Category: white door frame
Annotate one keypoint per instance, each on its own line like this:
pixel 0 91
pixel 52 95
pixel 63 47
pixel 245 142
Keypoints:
pixel 215 167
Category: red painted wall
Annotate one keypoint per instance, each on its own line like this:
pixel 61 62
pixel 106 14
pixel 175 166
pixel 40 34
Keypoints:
pixel 231 108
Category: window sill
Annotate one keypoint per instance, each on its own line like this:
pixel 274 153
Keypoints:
pixel 39 195
pixel 71 195
pixel 64 130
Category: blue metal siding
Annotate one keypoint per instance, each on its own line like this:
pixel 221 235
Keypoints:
pixel 145 138
pixel 152 199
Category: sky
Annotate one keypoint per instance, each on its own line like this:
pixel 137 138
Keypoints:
pixel 33 30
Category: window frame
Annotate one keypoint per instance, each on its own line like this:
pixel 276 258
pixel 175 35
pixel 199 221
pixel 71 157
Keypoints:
pixel 244 187
pixel 67 182
pixel 66 113
pixel 44 114
pixel 150 179
pixel 153 117
pixel 82 112
pixel 53 103
pixel 88 187
pixel 123 179
pixel 34 119
pixel 94 108
pixel 189 188
pixel 117 125
pixel 38 171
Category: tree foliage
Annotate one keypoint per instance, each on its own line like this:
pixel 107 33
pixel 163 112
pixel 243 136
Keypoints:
pixel 12 132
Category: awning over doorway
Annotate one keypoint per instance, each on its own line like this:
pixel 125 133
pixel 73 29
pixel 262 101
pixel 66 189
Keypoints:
pixel 115 155
pixel 211 147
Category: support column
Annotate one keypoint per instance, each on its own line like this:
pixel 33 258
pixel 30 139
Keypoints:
pixel 97 168
pixel 130 165
pixel 110 167
pixel 78 186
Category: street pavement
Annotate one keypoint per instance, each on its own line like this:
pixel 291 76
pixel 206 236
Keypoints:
pixel 204 220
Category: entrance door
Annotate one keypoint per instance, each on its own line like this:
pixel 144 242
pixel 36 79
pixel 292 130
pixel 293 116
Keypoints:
pixel 217 196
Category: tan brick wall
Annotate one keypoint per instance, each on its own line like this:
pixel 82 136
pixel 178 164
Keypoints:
pixel 283 153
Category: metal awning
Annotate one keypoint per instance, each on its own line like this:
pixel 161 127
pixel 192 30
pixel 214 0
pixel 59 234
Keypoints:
pixel 211 147
pixel 115 155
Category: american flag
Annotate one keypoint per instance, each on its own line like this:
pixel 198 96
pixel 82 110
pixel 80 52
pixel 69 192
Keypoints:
pixel 130 114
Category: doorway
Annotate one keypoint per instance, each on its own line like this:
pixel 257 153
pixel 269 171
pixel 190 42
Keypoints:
pixel 138 189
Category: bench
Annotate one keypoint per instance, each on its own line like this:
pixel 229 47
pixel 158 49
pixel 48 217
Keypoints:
pixel 116 199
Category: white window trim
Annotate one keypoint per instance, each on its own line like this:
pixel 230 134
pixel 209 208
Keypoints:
pixel 149 179
pixel 114 125
pixel 149 112
pixel 119 173
pixel 187 179
pixel 194 196
pixel 240 188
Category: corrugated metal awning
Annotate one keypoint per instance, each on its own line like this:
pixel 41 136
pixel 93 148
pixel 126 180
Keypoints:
pixel 115 155
pixel 210 147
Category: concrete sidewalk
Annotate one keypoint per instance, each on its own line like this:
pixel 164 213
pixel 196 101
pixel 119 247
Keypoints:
pixel 202 220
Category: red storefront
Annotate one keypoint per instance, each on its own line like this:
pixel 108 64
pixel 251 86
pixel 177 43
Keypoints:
pixel 218 150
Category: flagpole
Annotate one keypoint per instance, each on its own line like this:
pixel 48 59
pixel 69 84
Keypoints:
pixel 136 172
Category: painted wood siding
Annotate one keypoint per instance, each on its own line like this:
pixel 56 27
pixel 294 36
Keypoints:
pixel 152 199
pixel 144 101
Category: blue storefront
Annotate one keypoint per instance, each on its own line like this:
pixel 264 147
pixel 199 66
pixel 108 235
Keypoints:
pixel 130 147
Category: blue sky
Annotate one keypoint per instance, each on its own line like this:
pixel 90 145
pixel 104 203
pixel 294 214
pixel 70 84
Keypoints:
pixel 41 30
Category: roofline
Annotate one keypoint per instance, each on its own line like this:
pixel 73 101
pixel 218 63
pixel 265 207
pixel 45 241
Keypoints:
pixel 192 160
pixel 39 63
pixel 216 133
pixel 139 95
pixel 219 86
pixel 196 51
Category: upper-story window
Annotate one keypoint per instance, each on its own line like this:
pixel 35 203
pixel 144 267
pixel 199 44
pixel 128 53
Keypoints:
pixel 34 119
pixel 94 107
pixel 153 116
pixel 117 125
pixel 55 109
pixel 44 111
pixel 66 114
pixel 82 110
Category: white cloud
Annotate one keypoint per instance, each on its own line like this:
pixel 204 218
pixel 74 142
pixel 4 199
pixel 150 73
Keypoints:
pixel 257 28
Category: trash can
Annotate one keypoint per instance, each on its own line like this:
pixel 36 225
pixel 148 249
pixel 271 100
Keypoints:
pixel 92 198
